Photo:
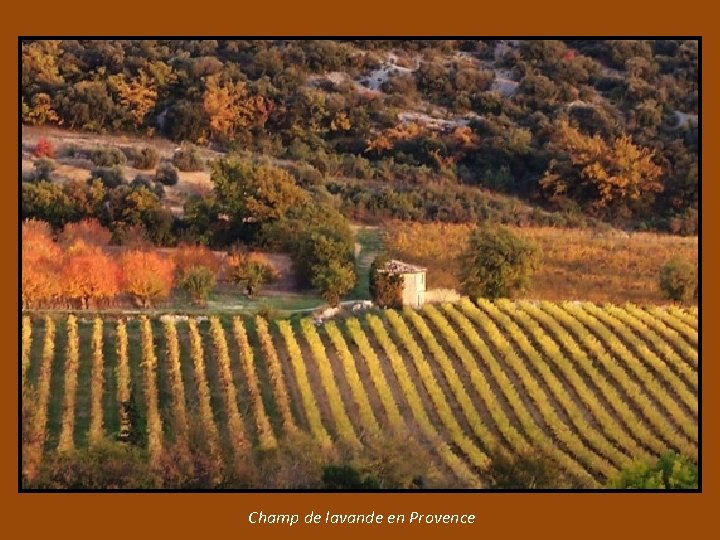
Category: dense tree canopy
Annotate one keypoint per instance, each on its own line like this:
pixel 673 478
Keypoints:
pixel 496 262
pixel 631 104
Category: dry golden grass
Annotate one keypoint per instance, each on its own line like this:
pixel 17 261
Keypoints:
pixel 579 264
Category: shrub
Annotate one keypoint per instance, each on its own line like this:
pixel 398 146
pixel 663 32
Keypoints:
pixel 143 180
pixel 107 157
pixel 43 169
pixel 134 236
pixel 166 174
pixel 269 312
pixel 89 231
pixel 159 190
pixel 109 465
pixel 357 167
pixel 298 150
pixel 526 471
pixel 671 471
pixel 70 151
pixel 44 148
pixel 306 174
pixel 397 462
pixel 111 177
pixel 347 477
pixel 144 158
pixel 298 463
pixel 496 262
pixel 678 280
pixel 187 159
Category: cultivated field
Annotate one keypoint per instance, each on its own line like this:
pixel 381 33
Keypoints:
pixel 587 264
pixel 593 387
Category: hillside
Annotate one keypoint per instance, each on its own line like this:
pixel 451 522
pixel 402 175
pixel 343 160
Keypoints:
pixel 235 402
pixel 606 129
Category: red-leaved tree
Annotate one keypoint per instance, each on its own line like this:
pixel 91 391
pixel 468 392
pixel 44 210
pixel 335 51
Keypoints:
pixel 88 231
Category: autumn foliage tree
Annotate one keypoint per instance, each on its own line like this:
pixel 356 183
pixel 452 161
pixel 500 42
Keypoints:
pixel 231 108
pixel 187 256
pixel 617 179
pixel 41 259
pixel 147 276
pixel 88 231
pixel 138 94
pixel 40 111
pixel 89 274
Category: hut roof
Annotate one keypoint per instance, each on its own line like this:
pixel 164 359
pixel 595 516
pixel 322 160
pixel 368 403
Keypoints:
pixel 399 267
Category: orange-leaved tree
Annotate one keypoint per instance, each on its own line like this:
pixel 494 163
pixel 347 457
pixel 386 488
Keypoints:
pixel 40 264
pixel 231 108
pixel 89 274
pixel 147 275
pixel 187 256
pixel 138 94
pixel 606 178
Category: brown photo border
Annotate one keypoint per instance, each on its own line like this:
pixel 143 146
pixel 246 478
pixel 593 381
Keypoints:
pixel 501 515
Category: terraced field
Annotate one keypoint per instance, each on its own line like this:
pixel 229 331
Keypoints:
pixel 593 387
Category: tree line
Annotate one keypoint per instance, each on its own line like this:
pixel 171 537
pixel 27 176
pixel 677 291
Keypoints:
pixel 252 204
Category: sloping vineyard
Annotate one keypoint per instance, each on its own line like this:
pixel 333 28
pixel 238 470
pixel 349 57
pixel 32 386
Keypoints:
pixel 594 388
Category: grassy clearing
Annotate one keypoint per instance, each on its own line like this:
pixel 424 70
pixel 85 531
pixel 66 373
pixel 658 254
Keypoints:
pixel 232 302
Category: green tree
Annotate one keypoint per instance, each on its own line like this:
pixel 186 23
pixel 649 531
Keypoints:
pixel 142 207
pixel 679 280
pixel 333 280
pixel 249 195
pixel 46 201
pixel 198 281
pixel 671 471
pixel 496 262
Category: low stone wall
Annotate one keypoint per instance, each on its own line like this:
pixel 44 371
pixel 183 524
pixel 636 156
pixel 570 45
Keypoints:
pixel 436 296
